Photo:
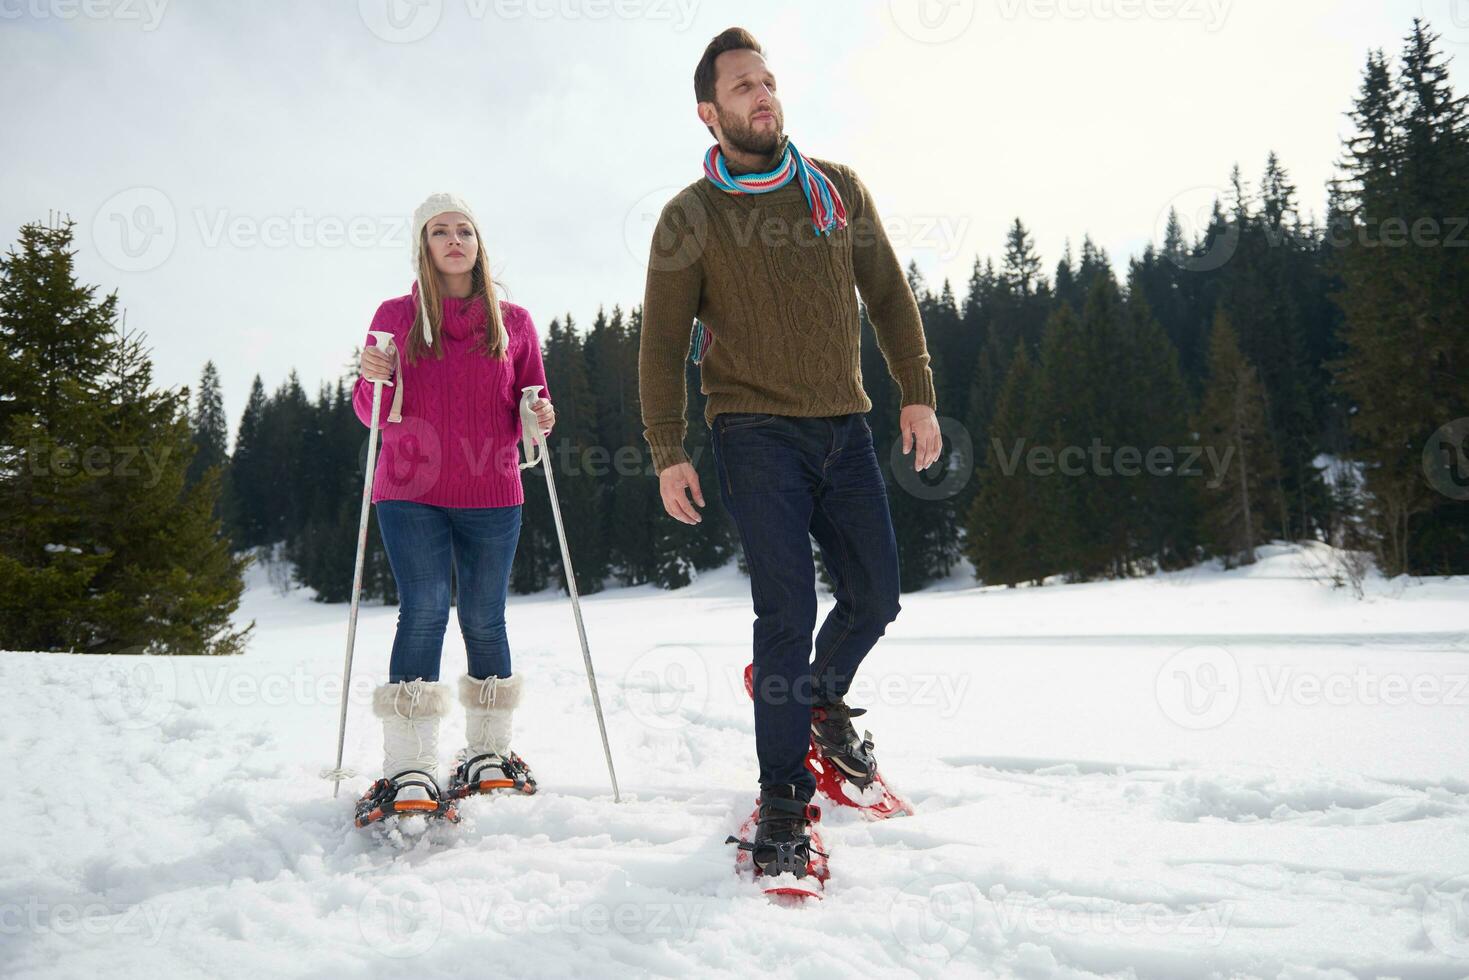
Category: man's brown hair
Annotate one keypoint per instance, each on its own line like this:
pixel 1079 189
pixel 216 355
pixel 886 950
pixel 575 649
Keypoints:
pixel 730 39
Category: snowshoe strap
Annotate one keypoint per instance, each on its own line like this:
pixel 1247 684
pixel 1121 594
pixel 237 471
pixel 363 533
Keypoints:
pixel 745 845
pixel 382 800
pixel 414 777
pixel 794 808
pixel 510 765
pixel 469 764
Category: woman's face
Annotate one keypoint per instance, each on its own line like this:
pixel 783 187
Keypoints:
pixel 452 243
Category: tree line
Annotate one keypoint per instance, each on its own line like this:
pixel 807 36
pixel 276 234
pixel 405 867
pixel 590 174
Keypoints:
pixel 1266 377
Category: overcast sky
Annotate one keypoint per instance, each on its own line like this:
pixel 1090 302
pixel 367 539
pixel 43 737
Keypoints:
pixel 242 173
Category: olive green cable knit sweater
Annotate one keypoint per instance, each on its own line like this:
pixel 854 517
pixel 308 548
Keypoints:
pixel 781 304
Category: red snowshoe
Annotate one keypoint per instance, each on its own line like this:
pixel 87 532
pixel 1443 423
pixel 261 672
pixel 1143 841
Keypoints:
pixel 792 865
pixel 846 772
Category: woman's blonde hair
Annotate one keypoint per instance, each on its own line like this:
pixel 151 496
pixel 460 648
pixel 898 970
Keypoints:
pixel 491 341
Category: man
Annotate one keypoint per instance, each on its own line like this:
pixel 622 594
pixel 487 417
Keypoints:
pixel 769 251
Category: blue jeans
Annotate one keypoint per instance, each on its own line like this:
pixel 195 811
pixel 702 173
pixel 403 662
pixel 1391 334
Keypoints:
pixel 419 539
pixel 785 480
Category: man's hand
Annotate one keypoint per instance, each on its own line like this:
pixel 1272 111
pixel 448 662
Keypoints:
pixel 672 483
pixel 921 427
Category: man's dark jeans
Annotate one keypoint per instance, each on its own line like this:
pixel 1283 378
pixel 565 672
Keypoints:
pixel 785 480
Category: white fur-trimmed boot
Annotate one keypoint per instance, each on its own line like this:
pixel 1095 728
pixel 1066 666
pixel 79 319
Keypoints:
pixel 486 763
pixel 410 712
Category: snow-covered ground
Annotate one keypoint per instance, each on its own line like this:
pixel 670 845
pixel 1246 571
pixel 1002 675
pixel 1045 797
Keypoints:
pixel 1202 774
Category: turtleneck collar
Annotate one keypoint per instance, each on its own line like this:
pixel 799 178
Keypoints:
pixel 460 316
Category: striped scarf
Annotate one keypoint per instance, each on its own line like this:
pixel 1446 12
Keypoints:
pixel 827 211
pixel 828 214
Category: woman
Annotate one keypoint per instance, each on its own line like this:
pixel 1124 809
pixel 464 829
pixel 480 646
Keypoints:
pixel 447 488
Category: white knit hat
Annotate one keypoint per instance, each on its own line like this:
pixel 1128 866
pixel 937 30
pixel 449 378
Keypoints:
pixel 433 206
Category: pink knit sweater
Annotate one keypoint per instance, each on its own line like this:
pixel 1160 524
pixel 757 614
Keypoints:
pixel 457 443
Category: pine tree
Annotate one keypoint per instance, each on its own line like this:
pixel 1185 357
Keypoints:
pixel 1106 512
pixel 672 568
pixel 1406 349
pixel 636 504
pixel 248 505
pixel 172 581
pixel 579 494
pixel 286 425
pixel 1022 266
pixel 211 429
pixel 923 521
pixel 54 350
pixel 1234 431
pixel 1154 416
pixel 1079 359
pixel 1162 279
pixel 55 336
pixel 107 550
pixel 324 550
pixel 1005 523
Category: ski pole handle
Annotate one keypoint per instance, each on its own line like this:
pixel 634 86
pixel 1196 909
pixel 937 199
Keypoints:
pixel 531 437
pixel 384 343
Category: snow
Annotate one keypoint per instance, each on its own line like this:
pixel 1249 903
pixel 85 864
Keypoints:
pixel 1210 773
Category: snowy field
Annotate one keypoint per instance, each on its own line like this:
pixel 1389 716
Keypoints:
pixel 1204 774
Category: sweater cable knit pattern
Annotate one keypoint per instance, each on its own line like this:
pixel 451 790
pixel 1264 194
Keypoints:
pixel 457 444
pixel 781 304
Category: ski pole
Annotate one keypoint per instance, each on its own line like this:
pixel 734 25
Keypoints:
pixel 536 451
pixel 337 774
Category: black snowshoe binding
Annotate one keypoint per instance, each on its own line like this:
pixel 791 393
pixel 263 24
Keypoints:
pixel 835 738
pixel 381 799
pixel 782 839
pixel 490 773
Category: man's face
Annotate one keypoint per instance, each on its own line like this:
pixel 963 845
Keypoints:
pixel 746 113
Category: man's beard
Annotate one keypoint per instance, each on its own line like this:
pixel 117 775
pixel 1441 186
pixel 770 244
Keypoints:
pixel 745 138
